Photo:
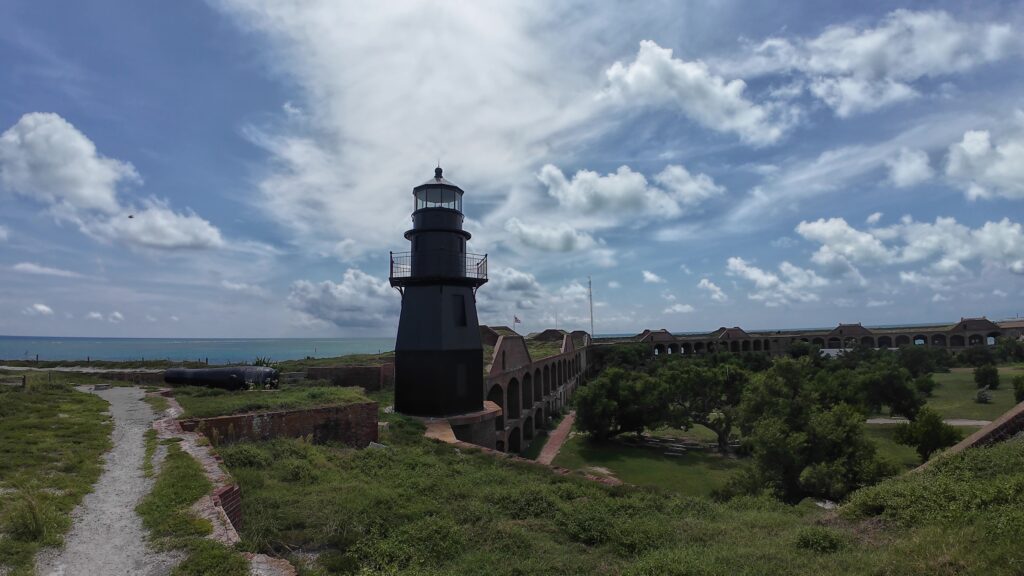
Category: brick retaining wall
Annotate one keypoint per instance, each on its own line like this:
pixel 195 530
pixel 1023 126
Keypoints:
pixel 369 377
pixel 1005 427
pixel 352 424
pixel 229 498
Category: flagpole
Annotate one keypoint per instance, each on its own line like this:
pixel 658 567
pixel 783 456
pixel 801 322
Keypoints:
pixel 590 289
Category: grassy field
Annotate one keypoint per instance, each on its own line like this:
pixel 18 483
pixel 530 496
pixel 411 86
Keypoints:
pixel 51 443
pixel 165 513
pixel 692 474
pixel 463 512
pixel 347 360
pixel 955 393
pixel 539 349
pixel 198 402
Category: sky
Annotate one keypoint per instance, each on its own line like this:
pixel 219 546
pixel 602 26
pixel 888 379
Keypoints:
pixel 242 168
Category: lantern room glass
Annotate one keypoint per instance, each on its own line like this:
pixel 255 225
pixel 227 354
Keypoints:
pixel 438 198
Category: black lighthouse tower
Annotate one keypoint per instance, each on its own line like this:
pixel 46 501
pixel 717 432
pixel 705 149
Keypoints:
pixel 438 353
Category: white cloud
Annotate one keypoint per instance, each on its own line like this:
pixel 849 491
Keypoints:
pixel 559 237
pixel 783 242
pixel 359 142
pixel 652 278
pixel 4 234
pixel 150 318
pixel 940 298
pixel 173 318
pixel 713 290
pixel 33 268
pixel 874 218
pixel 985 170
pixel 94 316
pixel 46 159
pixel 879 303
pixel 856 70
pixel 115 317
pixel 359 300
pixel 910 168
pixel 678 308
pixel 686 188
pixel 945 246
pixel 614 285
pixel 244 288
pixel 999 293
pixel 656 78
pixel 38 310
pixel 686 269
pixel 793 284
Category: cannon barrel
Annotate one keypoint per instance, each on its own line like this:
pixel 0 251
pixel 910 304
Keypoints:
pixel 231 378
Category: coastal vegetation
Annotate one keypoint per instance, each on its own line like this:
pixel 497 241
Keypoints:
pixel 331 510
pixel 165 513
pixel 199 402
pixel 52 438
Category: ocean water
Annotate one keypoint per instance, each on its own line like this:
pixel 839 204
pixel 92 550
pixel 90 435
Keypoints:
pixel 217 350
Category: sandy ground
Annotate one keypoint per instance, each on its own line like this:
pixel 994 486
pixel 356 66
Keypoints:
pixel 107 536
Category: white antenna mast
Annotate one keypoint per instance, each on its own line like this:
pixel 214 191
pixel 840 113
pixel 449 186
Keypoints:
pixel 590 288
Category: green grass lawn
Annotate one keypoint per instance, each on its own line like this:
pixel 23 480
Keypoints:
pixel 347 360
pixel 51 442
pixel 955 393
pixel 198 402
pixel 692 474
pixel 696 433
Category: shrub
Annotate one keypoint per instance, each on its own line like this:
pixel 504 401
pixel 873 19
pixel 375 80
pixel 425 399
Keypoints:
pixel 927 434
pixel 585 521
pixel 987 376
pixel 1018 388
pixel 983 396
pixel 925 384
pixel 819 539
pixel 245 456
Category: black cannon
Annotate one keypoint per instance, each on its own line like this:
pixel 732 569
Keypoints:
pixel 232 378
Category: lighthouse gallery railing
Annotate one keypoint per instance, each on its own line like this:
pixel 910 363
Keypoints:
pixel 474 265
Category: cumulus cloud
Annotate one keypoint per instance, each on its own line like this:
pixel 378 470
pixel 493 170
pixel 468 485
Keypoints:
pixel 713 290
pixel 945 245
pixel 4 234
pixel 656 78
pixel 987 170
pixel 33 268
pixel 873 219
pixel 910 168
pixel 359 300
pixel 94 316
pixel 37 310
pixel 678 308
pixel 627 192
pixel 613 284
pixel 652 278
pixel 792 284
pixel 856 70
pixel 47 160
pixel 559 237
pixel 115 317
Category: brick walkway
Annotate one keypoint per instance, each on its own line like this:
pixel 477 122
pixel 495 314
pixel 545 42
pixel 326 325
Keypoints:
pixel 557 438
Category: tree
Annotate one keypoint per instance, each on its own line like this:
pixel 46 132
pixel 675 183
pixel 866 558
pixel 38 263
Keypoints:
pixel 927 434
pixel 987 376
pixel 888 384
pixel 704 395
pixel 618 402
pixel 1009 349
pixel 1018 388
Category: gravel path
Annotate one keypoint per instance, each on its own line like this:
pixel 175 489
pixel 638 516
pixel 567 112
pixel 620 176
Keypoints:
pixel 107 536
pixel 557 438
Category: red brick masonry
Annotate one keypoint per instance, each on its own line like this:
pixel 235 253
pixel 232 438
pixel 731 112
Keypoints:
pixel 229 498
pixel 351 424
pixel 1005 427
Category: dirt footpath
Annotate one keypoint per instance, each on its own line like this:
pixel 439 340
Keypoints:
pixel 107 536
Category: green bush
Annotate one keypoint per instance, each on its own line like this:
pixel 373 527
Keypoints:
pixel 927 434
pixel 244 456
pixel 586 521
pixel 987 376
pixel 819 539
pixel 983 396
pixel 1018 388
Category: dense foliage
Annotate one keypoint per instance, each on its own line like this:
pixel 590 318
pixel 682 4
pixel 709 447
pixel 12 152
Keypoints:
pixel 987 376
pixel 1018 388
pixel 927 433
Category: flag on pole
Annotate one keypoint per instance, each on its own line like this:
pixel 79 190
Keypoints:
pixel 516 320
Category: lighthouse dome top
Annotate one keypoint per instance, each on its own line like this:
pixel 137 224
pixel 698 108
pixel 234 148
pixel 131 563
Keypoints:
pixel 438 193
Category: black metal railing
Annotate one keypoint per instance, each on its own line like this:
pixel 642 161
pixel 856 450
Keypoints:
pixel 438 263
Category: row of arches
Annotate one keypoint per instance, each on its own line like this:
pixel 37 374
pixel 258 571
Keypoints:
pixel 888 341
pixel 529 399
